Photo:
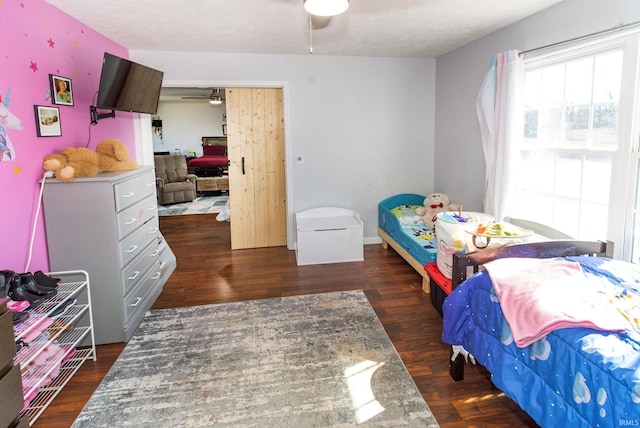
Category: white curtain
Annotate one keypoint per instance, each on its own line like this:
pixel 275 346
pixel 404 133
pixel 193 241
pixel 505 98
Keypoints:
pixel 499 109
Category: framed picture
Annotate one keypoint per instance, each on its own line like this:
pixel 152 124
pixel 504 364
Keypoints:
pixel 61 90
pixel 48 121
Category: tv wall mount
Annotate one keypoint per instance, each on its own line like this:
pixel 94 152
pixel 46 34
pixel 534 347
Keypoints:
pixel 95 116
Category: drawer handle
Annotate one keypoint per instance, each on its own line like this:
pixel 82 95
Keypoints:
pixel 132 249
pixel 128 195
pixel 135 275
pixel 152 208
pixel 150 184
pixel 138 300
pixel 157 275
pixel 155 253
pixel 133 220
pixel 154 230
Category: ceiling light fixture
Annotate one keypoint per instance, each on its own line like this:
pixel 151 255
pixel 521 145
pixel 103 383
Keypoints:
pixel 326 7
pixel 217 96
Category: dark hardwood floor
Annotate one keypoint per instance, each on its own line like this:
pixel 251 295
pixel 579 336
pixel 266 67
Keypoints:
pixel 209 272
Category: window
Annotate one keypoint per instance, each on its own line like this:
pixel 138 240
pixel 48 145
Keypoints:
pixel 577 157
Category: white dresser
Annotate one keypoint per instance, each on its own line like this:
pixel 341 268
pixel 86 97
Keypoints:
pixel 108 225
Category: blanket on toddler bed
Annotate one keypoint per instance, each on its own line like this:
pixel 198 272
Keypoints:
pixel 413 226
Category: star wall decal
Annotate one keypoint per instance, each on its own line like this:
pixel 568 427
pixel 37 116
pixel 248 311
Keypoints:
pixel 51 42
pixel 33 66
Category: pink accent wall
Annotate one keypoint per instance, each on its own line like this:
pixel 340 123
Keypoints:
pixel 37 40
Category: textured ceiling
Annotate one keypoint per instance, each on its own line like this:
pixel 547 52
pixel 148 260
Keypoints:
pixel 391 28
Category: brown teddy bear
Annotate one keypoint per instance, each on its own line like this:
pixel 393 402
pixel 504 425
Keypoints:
pixel 111 155
pixel 433 204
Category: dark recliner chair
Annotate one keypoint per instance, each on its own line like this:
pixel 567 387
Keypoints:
pixel 173 182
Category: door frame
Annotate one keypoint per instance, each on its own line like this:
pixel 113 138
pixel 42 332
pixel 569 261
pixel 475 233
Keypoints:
pixel 288 165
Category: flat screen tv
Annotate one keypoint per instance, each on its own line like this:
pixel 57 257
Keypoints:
pixel 128 86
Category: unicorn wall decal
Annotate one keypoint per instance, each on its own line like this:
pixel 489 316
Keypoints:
pixel 8 120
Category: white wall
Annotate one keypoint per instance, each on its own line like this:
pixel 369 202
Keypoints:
pixel 185 123
pixel 459 166
pixel 365 126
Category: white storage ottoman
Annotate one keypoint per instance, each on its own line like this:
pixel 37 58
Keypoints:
pixel 328 235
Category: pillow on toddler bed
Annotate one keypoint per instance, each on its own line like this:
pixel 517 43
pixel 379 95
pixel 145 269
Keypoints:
pixel 407 215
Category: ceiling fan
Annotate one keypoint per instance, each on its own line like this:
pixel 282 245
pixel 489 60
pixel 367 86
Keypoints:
pixel 325 7
pixel 215 97
pixel 320 13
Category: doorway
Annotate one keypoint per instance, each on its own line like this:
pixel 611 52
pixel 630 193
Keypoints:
pixel 288 225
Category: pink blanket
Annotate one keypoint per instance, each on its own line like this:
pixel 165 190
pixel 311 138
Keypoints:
pixel 538 296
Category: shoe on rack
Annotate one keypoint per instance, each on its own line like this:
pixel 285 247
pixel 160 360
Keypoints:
pixel 18 306
pixel 59 327
pixel 18 317
pixel 17 293
pixel 45 280
pixel 6 276
pixel 62 308
pixel 29 284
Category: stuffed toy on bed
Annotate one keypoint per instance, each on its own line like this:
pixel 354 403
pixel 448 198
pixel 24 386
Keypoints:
pixel 433 204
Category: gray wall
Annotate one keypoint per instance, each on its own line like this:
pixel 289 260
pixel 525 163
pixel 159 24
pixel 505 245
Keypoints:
pixel 459 166
pixel 365 126
pixel 184 123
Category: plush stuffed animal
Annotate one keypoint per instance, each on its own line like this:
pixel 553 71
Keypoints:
pixel 433 204
pixel 111 155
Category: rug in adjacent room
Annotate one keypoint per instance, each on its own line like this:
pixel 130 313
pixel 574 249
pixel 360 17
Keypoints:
pixel 321 360
pixel 200 205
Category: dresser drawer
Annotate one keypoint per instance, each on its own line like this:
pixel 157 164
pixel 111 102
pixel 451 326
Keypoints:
pixel 134 190
pixel 139 315
pixel 139 298
pixel 7 340
pixel 11 393
pixel 135 270
pixel 133 244
pixel 131 218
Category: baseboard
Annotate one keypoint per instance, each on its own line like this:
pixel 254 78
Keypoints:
pixel 372 240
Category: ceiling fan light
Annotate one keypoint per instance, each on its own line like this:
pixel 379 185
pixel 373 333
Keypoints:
pixel 326 7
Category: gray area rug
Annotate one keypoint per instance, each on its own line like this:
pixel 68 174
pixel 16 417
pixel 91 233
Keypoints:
pixel 321 360
pixel 200 205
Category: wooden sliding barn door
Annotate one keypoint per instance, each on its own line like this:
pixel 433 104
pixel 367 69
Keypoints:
pixel 255 142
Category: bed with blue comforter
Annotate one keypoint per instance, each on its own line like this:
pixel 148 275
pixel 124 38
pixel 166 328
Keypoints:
pixel 584 372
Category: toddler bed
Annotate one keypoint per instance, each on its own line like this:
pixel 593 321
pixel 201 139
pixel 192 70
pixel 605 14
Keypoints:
pixel 557 330
pixel 402 229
